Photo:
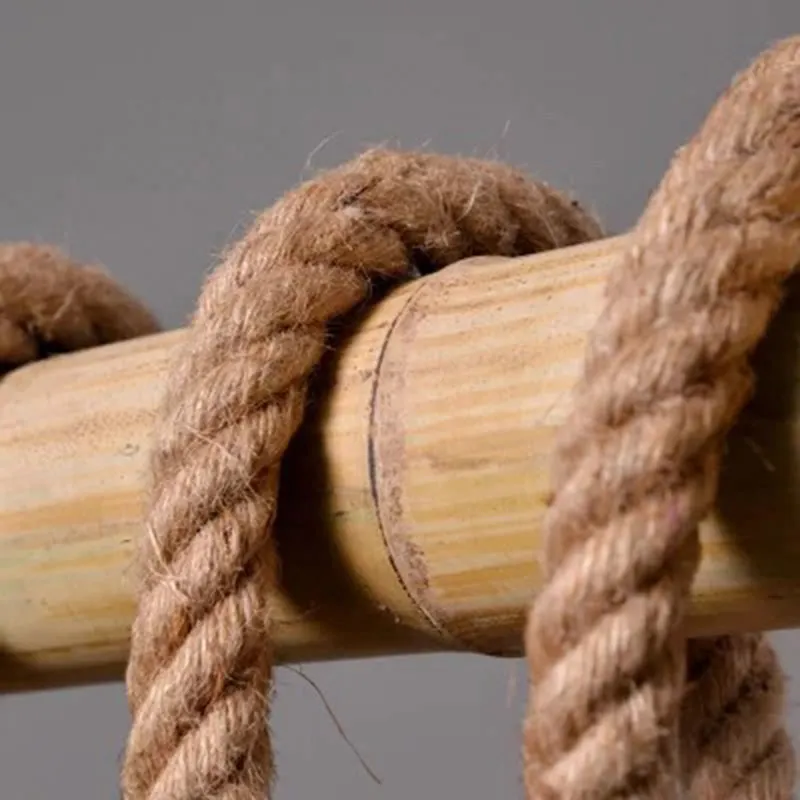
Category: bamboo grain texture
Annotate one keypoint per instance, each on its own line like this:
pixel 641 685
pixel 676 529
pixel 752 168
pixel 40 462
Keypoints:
pixel 412 500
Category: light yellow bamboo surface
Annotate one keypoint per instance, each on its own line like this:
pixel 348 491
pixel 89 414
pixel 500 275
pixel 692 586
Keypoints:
pixel 411 502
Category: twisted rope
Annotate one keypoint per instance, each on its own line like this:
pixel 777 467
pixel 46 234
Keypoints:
pixel 49 304
pixel 199 675
pixel 636 470
pixel 622 705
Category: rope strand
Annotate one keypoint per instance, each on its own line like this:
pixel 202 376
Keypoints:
pixel 636 470
pixel 200 669
pixel 50 304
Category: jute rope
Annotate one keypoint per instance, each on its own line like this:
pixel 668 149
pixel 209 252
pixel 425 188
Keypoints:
pixel 50 304
pixel 200 669
pixel 636 470
pixel 621 705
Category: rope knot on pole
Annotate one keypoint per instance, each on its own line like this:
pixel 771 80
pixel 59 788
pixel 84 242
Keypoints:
pixel 625 702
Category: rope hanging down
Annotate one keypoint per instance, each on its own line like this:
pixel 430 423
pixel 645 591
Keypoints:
pixel 201 663
pixel 636 470
pixel 621 706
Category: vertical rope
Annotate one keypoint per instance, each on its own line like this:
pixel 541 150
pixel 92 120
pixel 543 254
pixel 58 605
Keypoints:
pixel 636 469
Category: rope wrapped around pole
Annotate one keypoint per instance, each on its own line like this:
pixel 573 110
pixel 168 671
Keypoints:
pixel 623 703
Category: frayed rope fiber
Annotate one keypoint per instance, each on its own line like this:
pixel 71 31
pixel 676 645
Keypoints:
pixel 621 705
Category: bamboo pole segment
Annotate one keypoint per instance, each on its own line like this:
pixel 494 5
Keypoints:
pixel 411 501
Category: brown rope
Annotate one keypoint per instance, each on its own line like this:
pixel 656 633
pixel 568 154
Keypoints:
pixel 622 706
pixel 49 305
pixel 200 668
pixel 636 470
pixel 734 743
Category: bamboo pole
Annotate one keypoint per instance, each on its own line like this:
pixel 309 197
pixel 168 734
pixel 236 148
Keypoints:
pixel 412 500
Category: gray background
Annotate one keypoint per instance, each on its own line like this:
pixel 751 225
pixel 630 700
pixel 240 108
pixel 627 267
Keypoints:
pixel 145 134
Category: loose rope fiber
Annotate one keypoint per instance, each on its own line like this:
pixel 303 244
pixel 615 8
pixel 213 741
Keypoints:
pixel 636 470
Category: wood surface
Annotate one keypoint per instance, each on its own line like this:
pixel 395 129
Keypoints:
pixel 411 502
